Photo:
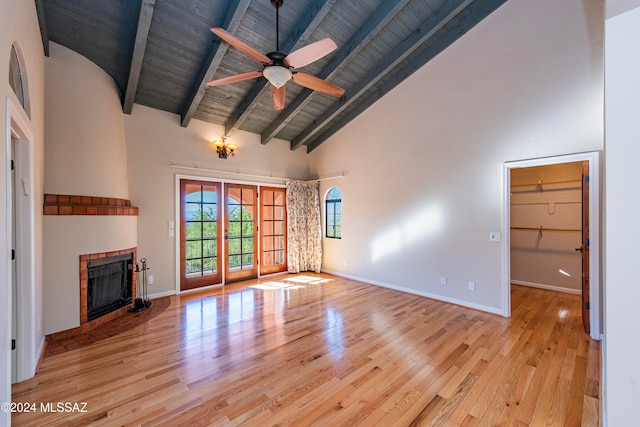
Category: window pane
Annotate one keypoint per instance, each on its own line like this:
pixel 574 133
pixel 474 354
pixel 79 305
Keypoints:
pixel 234 196
pixel 234 246
pixel 234 261
pixel 279 242
pixel 234 229
pixel 267 197
pixel 279 198
pixel 194 230
pixel 209 212
pixel 247 228
pixel 267 213
pixel 194 249
pixel 210 265
pixel 247 245
pixel 194 193
pixel 209 229
pixel 209 195
pixel 234 213
pixel 278 228
pixel 267 228
pixel 192 211
pixel 247 261
pixel 278 212
pixel 267 244
pixel 268 259
pixel 330 231
pixel 209 248
pixel 194 267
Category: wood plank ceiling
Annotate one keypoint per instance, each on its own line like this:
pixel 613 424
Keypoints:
pixel 161 54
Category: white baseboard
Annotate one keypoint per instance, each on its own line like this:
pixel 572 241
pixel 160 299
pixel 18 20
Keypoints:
pixel 161 294
pixel 548 287
pixel 437 297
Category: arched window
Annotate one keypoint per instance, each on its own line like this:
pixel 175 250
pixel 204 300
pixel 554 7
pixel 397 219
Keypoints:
pixel 333 212
pixel 18 81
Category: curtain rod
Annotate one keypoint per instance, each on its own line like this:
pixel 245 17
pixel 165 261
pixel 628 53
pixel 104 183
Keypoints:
pixel 244 174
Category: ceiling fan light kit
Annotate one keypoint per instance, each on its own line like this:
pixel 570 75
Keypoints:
pixel 277 75
pixel 278 65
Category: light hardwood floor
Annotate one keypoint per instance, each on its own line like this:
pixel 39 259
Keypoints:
pixel 313 349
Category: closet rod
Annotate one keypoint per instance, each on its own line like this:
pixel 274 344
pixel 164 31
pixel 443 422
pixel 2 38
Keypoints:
pixel 546 182
pixel 245 174
pixel 546 229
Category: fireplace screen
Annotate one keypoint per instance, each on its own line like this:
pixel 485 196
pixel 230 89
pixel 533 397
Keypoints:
pixel 109 284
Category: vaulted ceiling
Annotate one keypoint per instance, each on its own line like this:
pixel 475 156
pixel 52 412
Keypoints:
pixel 161 54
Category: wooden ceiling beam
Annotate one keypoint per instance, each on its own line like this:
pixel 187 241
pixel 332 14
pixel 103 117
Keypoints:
pixel 419 36
pixel 376 22
pixel 147 8
pixel 42 22
pixel 428 52
pixel 297 39
pixel 214 58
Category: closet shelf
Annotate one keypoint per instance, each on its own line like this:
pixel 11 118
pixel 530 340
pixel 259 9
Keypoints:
pixel 541 228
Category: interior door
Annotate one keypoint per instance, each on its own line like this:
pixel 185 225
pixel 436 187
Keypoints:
pixel 585 247
pixel 273 230
pixel 200 234
pixel 241 228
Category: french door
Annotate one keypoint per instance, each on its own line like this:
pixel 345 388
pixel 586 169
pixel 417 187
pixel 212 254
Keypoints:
pixel 200 234
pixel 222 232
pixel 241 227
pixel 273 230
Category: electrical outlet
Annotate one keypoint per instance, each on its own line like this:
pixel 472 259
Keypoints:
pixel 149 280
pixel 472 286
pixel 443 280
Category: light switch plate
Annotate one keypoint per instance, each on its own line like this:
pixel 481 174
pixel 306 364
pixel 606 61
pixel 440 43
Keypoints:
pixel 494 236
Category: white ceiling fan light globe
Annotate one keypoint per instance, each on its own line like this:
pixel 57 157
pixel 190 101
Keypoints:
pixel 277 75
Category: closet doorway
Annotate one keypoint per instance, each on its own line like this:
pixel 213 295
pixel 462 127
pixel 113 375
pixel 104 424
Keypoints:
pixel 552 234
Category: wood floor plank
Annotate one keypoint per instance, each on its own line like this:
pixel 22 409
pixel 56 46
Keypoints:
pixel 330 351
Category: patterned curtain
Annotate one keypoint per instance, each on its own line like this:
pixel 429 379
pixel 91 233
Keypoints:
pixel 304 230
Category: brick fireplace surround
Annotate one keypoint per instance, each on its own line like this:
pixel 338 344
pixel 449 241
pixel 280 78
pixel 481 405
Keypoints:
pixel 56 204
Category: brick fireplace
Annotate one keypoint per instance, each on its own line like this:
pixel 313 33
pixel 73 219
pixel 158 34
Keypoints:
pixel 85 323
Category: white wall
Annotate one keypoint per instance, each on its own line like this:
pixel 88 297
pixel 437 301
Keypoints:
pixel 621 350
pixel 18 24
pixel 86 156
pixel 423 166
pixel 155 141
pixel 85 147
pixel 67 237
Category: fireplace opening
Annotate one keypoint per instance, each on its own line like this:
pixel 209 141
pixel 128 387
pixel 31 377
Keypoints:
pixel 109 284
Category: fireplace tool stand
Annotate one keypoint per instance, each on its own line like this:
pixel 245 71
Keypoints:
pixel 142 301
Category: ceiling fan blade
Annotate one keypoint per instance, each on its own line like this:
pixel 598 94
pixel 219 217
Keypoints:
pixel 310 53
pixel 235 78
pixel 278 96
pixel 240 45
pixel 313 82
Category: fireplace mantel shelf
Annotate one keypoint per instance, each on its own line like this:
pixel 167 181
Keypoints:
pixel 62 204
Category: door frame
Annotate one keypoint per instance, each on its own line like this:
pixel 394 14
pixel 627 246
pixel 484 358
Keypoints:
pixel 28 344
pixel 594 238
pixel 177 230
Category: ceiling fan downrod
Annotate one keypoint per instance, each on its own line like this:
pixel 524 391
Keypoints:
pixel 277 4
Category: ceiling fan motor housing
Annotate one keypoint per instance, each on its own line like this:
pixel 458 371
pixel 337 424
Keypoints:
pixel 277 58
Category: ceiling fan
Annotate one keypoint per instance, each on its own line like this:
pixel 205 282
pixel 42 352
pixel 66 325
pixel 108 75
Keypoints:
pixel 279 67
